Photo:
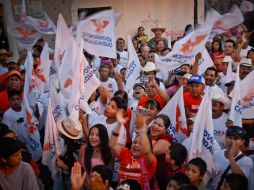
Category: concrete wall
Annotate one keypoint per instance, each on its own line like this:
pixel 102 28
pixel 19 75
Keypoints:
pixel 171 14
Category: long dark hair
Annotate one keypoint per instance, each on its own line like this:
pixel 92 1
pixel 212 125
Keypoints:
pixel 105 150
pixel 220 45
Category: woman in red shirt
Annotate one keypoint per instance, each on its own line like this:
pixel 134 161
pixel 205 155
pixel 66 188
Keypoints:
pixel 138 163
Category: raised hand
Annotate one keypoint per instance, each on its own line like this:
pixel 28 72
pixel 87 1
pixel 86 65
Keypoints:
pixel 77 179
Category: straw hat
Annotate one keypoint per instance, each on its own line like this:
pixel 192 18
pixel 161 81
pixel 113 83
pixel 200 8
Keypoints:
pixel 70 128
pixel 246 62
pixel 150 66
pixel 158 28
pixel 222 99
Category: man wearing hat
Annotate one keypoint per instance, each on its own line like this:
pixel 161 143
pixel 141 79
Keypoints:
pixel 222 75
pixel 245 67
pixel 13 83
pixel 232 157
pixel 157 36
pixel 219 104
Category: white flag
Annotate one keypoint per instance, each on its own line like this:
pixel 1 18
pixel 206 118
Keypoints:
pixel 247 95
pixel 202 140
pixel 52 146
pixel 25 34
pixel 204 62
pixel 42 71
pixel 63 38
pixel 235 111
pixel 98 34
pixel 43 26
pixel 133 68
pixel 230 76
pixel 176 112
pixel 193 43
pixel 222 23
pixel 66 70
pixel 34 137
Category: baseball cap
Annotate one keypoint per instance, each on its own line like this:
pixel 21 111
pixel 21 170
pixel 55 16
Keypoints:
pixel 138 84
pixel 14 72
pixel 197 79
pixel 236 131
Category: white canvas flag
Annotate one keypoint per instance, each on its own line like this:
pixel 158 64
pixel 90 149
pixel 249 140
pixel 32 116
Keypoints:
pixel 204 62
pixel 25 34
pixel 176 112
pixel 202 140
pixel 46 26
pixel 66 70
pixel 98 34
pixel 52 146
pixel 42 71
pixel 133 67
pixel 230 74
pixel 193 43
pixel 247 96
pixel 222 23
pixel 63 38
pixel 235 111
pixel 34 137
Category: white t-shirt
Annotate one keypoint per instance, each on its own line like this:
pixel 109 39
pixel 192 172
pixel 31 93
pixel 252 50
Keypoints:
pixel 118 68
pixel 244 52
pixel 219 129
pixel 16 121
pixel 95 118
pixel 215 90
pixel 110 85
pixel 123 58
pixel 220 163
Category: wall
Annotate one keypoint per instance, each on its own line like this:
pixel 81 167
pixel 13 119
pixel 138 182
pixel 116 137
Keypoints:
pixel 171 14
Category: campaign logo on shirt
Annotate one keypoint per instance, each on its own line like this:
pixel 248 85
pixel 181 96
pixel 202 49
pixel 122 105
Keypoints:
pixel 110 85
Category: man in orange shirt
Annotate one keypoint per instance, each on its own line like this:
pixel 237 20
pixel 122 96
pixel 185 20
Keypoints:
pixel 13 83
pixel 192 100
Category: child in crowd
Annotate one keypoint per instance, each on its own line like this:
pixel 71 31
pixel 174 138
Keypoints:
pixel 196 170
pixel 177 180
pixel 235 182
pixel 15 117
pixel 14 173
pixel 106 81
pixel 96 151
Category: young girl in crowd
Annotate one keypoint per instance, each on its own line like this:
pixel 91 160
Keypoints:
pixel 96 151
pixel 216 49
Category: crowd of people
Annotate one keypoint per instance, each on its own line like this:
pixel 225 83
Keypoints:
pixel 125 142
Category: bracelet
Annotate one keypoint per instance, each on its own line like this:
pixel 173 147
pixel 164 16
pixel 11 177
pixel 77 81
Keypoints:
pixel 115 134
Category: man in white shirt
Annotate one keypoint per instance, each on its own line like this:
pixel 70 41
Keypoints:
pixel 120 44
pixel 219 103
pixel 106 81
pixel 235 139
pixel 211 75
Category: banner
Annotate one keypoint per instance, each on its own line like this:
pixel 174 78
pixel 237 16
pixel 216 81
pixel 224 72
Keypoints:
pixel 235 111
pixel 222 23
pixel 43 26
pixel 98 34
pixel 133 67
pixel 247 96
pixel 25 34
pixel 176 112
pixel 204 62
pixel 34 137
pixel 230 76
pixel 66 70
pixel 42 71
pixel 202 140
pixel 63 38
